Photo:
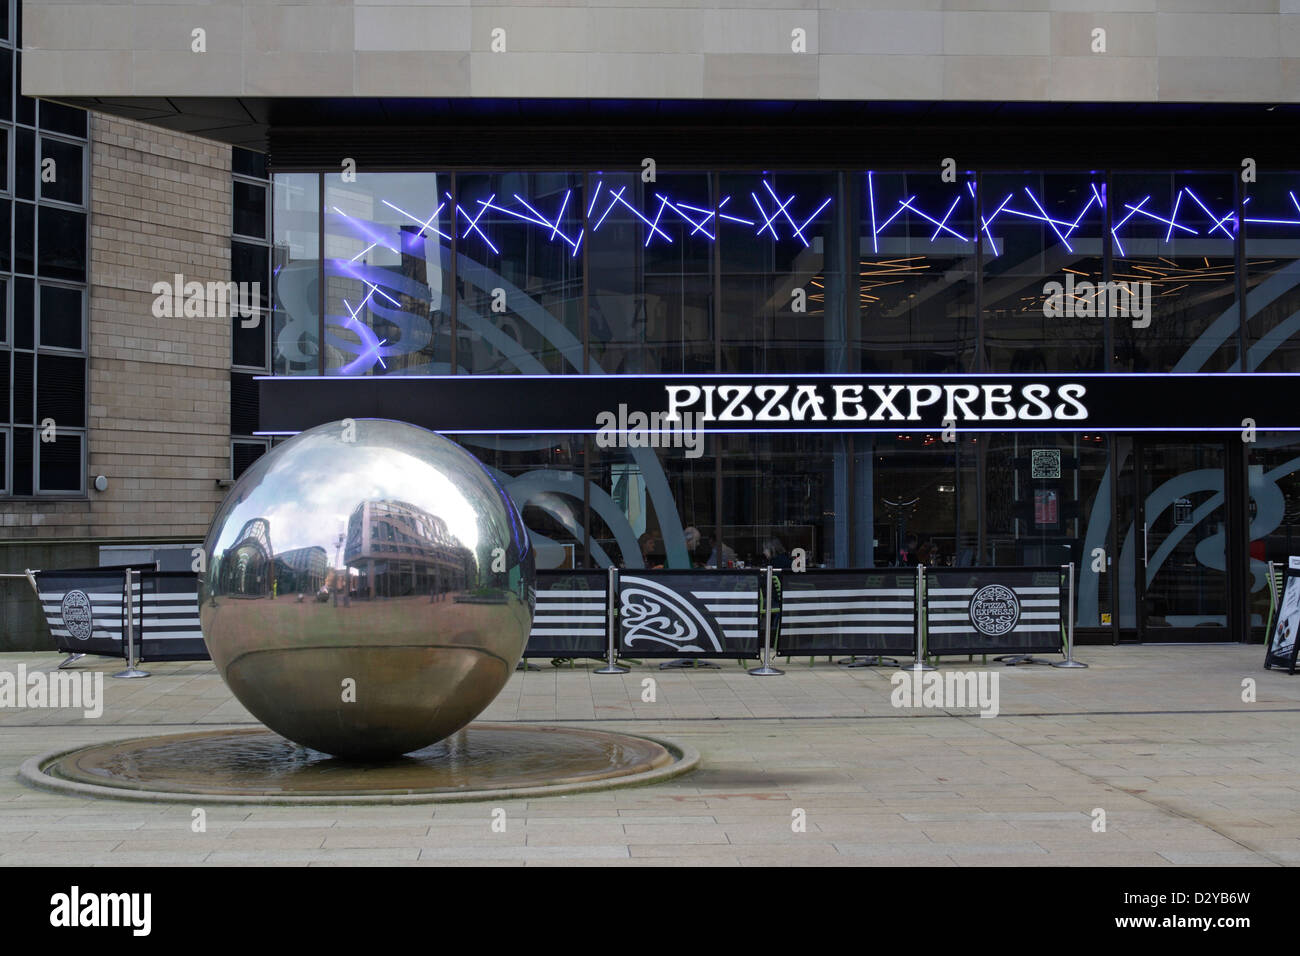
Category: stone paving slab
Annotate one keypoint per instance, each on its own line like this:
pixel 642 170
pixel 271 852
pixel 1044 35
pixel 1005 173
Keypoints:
pixel 816 767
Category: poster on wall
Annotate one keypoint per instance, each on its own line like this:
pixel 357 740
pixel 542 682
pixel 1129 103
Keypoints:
pixel 1282 642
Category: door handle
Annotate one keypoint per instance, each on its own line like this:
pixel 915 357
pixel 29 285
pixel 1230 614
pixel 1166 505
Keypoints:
pixel 1144 544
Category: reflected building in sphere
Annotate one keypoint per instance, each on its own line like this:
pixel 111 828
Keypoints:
pixel 302 570
pixel 247 567
pixel 395 549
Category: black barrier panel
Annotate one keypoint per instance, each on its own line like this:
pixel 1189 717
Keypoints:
pixel 169 615
pixel 690 613
pixel 846 612
pixel 570 620
pixel 1282 644
pixel 85 610
pixel 994 610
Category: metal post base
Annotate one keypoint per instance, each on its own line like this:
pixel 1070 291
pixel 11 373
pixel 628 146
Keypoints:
pixel 686 662
pixel 1014 660
pixel 131 672
pixel 765 671
pixel 917 667
pixel 523 665
pixel 1068 664
pixel 71 659
pixel 876 661
pixel 611 669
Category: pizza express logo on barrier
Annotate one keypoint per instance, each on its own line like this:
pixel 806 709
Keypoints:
pixel 994 610
pixel 958 402
pixel 76 613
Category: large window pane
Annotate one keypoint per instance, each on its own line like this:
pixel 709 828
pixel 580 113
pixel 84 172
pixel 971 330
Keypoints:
pixel 781 248
pixel 779 493
pixel 1272 230
pixel 519 272
pixel 1043 307
pixel 654 507
pixel 916 255
pixel 295 325
pixel 1175 232
pixel 249 268
pixel 1273 466
pixel 61 390
pixel 650 256
pixel 63 181
pixel 62 317
pixel 61 467
pixel 62 253
pixel 249 209
pixel 387 261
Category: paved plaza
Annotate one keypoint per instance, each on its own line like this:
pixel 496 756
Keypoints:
pixel 1159 738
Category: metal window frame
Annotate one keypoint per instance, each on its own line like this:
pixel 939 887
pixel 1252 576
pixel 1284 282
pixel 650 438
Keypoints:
pixel 84 145
pixel 266 239
pixel 41 284
pixel 246 440
pixel 81 434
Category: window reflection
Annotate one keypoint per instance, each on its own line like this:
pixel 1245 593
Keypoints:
pixel 295 321
pixel 1272 236
pixel 650 287
pixel 386 259
pixel 519 272
pixel 1044 305
pixel 1177 232
pixel 780 249
pixel 916 264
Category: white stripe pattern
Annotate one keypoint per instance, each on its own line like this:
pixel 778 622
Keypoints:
pixel 570 613
pixel 726 605
pixel 872 611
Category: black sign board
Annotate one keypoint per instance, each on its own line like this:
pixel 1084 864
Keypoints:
pixel 689 613
pixel 847 612
pixel 570 619
pixel 1282 644
pixel 994 610
pixel 638 404
pixel 169 617
pixel 85 610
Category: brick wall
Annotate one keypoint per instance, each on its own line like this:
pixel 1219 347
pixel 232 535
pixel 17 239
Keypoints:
pixel 159 388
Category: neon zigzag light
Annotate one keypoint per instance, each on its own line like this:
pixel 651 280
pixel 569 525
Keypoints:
pixel 1063 229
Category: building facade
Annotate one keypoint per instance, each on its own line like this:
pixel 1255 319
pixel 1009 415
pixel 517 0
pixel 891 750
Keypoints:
pixel 699 190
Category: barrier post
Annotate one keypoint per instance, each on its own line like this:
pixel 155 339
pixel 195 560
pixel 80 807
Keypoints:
pixel 611 588
pixel 131 669
pixel 919 664
pixel 766 668
pixel 1069 631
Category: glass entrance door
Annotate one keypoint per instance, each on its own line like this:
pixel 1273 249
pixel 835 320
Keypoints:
pixel 1176 542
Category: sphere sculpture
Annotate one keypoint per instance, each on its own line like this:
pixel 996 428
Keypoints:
pixel 368 588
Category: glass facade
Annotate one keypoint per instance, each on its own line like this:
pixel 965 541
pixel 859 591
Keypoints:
pixel 814 271
pixel 44 185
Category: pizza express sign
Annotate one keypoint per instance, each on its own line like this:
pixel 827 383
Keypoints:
pixel 994 610
pixel 843 403
pixel 587 404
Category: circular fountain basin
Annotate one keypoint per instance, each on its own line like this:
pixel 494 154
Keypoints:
pixel 482 762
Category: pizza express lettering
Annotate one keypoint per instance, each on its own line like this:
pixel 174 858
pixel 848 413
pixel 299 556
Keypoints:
pixel 960 402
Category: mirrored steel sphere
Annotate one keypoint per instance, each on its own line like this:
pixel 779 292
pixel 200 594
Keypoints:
pixel 368 589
